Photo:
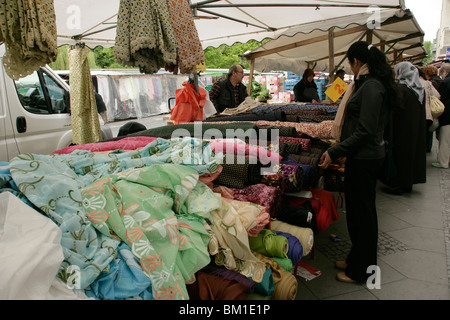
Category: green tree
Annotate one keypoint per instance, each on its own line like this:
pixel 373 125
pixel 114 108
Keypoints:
pixel 225 56
pixel 62 59
pixel 428 45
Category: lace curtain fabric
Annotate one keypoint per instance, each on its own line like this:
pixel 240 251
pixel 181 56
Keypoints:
pixel 28 29
pixel 157 34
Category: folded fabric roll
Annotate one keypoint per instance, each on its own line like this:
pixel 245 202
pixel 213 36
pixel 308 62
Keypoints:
pixel 295 252
pixel 287 148
pixel 262 220
pixel 237 175
pixel 298 216
pixel 275 180
pixel 211 287
pixel 268 116
pixel 200 128
pixel 283 131
pixel 230 275
pixel 268 243
pixel 304 143
pixel 285 263
pixel 230 229
pixel 263 155
pixel 306 112
pixel 286 285
pixel 293 177
pixel 306 158
pixel 267 285
pixel 264 195
pixel 130 143
pixel 304 235
pixel 309 172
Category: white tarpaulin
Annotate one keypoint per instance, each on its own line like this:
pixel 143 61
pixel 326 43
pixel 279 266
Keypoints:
pixel 217 21
pixel 394 31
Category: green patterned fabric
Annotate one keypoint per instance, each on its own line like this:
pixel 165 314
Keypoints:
pixel 53 183
pixel 158 213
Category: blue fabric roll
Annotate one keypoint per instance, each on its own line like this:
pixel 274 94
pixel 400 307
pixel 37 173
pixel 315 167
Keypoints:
pixel 295 252
pixel 267 285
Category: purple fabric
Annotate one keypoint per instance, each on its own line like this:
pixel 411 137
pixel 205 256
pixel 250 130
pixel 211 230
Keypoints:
pixel 308 172
pixel 264 195
pixel 295 251
pixel 230 275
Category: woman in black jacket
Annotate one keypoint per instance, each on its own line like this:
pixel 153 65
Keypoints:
pixel 363 114
pixel 306 89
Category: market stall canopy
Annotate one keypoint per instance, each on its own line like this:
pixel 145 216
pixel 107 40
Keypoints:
pixel 218 21
pixel 324 43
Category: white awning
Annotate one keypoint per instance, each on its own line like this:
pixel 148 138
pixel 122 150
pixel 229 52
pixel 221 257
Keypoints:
pixel 396 32
pixel 218 21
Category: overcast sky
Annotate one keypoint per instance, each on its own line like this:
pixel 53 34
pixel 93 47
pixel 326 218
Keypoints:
pixel 427 14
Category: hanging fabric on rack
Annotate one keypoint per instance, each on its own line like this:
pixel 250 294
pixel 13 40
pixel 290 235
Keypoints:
pixel 145 37
pixel 84 116
pixel 28 29
pixel 189 48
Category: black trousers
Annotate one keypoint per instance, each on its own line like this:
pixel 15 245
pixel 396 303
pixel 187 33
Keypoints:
pixel 362 223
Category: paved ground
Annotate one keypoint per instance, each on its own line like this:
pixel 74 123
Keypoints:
pixel 414 247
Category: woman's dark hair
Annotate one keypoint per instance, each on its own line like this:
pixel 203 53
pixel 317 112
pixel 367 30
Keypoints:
pixel 378 66
pixel 306 74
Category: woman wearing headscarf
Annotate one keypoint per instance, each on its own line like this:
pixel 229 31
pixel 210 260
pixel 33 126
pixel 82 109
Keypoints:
pixel 306 89
pixel 359 127
pixel 409 131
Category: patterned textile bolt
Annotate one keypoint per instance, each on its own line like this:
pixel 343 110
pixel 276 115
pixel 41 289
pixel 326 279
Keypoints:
pixel 28 29
pixel 159 213
pixel 85 123
pixel 189 51
pixel 53 184
pixel 145 36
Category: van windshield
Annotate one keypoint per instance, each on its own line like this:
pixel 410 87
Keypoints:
pixel 39 93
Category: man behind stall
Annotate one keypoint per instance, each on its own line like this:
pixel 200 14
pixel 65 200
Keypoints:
pixel 229 92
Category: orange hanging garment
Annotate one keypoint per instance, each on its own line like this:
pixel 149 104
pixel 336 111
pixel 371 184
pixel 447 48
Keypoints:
pixel 188 104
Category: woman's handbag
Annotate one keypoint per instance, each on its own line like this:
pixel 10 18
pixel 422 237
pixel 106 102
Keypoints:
pixel 436 106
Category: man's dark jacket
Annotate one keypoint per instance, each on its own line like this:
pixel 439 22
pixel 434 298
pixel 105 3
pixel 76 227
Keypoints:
pixel 226 98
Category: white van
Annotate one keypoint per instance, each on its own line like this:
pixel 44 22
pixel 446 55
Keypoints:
pixel 34 114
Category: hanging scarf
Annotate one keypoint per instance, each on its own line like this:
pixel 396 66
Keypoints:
pixel 408 75
pixel 339 120
pixel 84 115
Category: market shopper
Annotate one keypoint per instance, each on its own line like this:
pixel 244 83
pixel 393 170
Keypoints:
pixel 340 74
pixel 359 126
pixel 430 91
pixel 306 89
pixel 443 156
pixel 229 92
pixel 409 131
pixel 431 73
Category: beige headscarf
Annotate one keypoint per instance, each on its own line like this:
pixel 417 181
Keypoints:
pixel 339 119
